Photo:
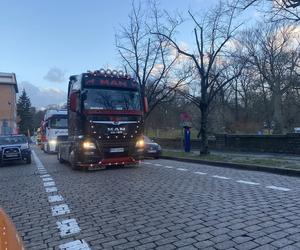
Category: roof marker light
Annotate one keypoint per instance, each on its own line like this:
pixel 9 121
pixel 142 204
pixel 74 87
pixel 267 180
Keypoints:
pixel 108 72
pixel 114 73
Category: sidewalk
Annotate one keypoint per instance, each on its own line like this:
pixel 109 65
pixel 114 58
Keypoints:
pixel 277 163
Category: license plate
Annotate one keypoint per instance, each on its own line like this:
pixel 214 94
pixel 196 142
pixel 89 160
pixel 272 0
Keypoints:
pixel 11 155
pixel 152 151
pixel 116 150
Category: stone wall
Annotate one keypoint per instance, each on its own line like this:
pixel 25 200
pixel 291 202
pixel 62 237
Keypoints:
pixel 289 143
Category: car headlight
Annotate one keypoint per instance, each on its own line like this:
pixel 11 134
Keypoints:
pixel 140 143
pixel 23 146
pixel 88 145
pixel 52 142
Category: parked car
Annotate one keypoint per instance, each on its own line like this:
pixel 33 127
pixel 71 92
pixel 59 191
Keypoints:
pixel 152 149
pixel 14 148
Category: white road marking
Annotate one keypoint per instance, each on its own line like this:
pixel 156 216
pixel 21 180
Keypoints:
pixel 51 189
pixel 248 182
pixel 55 198
pixel 158 165
pixel 45 175
pixel 148 163
pixel 169 167
pixel 221 177
pixel 202 173
pixel 43 171
pixel 47 179
pixel 75 245
pixel 60 210
pixel 181 169
pixel 49 184
pixel 68 227
pixel 278 188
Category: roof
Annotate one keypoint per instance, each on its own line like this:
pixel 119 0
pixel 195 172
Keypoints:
pixel 53 112
pixel 9 79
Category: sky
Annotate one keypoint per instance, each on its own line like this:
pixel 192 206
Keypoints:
pixel 44 42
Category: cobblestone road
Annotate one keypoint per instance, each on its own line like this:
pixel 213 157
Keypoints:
pixel 160 205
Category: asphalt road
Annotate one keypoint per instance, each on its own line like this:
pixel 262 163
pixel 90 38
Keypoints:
pixel 161 204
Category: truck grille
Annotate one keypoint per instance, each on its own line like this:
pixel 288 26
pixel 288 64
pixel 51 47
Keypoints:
pixel 117 143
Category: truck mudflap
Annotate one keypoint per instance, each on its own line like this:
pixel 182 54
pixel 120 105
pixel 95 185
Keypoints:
pixel 110 162
pixel 9 238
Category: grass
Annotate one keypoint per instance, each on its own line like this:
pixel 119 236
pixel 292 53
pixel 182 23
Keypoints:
pixel 269 162
pixel 171 133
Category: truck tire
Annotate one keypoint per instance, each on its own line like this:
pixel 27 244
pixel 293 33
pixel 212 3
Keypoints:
pixel 60 160
pixel 47 150
pixel 28 159
pixel 73 164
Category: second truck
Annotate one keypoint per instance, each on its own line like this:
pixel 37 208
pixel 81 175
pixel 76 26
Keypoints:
pixel 105 121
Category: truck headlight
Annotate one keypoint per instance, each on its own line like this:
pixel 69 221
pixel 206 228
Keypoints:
pixel 52 142
pixel 140 143
pixel 89 145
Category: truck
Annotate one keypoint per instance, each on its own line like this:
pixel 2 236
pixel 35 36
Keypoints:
pixel 55 124
pixel 105 121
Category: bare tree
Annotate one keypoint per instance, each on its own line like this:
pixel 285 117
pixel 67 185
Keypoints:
pixel 150 58
pixel 279 10
pixel 212 65
pixel 275 54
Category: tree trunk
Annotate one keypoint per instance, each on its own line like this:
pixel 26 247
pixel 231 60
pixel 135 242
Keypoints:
pixel 203 130
pixel 236 103
pixel 277 114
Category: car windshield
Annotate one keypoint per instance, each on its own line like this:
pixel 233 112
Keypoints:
pixel 8 140
pixel 107 99
pixel 59 122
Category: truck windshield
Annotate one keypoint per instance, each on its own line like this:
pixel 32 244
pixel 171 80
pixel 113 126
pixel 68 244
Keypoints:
pixel 108 99
pixel 59 123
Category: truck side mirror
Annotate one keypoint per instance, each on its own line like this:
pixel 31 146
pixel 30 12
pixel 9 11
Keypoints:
pixel 146 107
pixel 73 102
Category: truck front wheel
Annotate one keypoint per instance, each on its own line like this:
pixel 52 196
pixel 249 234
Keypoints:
pixel 73 164
pixel 60 160
pixel 47 150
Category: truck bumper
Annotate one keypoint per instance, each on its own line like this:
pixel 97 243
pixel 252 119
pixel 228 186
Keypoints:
pixel 98 162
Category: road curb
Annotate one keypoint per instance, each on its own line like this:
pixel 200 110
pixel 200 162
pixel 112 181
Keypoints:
pixel 282 171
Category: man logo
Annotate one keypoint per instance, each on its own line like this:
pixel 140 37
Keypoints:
pixel 116 130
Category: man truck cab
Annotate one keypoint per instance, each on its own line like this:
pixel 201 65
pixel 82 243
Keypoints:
pixel 105 121
pixel 55 124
